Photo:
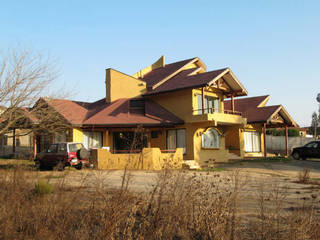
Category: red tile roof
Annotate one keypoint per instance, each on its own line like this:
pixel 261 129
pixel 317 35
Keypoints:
pixel 115 113
pixel 73 111
pixel 183 81
pixel 158 74
pixel 262 114
pixel 253 113
pixel 243 104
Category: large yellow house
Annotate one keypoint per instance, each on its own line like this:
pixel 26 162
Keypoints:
pixel 169 106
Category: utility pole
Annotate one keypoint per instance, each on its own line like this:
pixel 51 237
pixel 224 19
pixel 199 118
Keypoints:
pixel 317 117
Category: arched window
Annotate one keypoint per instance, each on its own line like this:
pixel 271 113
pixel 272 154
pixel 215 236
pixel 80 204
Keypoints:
pixel 210 139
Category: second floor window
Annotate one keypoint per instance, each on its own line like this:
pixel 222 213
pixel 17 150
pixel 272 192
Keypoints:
pixel 137 106
pixel 211 104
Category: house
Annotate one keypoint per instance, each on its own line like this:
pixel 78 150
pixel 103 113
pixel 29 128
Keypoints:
pixel 169 106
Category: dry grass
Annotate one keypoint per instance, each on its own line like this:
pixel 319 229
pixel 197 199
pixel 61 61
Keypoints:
pixel 180 206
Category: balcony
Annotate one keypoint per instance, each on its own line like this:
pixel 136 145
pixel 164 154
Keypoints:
pixel 218 117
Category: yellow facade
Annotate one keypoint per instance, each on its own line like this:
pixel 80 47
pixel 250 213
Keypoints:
pixel 120 85
pixel 148 159
pixel 77 135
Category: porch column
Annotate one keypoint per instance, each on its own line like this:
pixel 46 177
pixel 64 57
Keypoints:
pixel 106 140
pixel 202 97
pixel 14 142
pixel 232 103
pixel 149 139
pixel 34 145
pixel 264 139
pixel 286 139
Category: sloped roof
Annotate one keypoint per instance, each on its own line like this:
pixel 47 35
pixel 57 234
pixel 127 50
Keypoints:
pixel 158 74
pixel 114 113
pixel 255 113
pixel 73 111
pixel 243 104
pixel 184 81
pixel 261 114
pixel 174 77
pixel 118 113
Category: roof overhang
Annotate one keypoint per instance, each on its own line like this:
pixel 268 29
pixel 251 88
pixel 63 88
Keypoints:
pixel 237 89
pixel 285 115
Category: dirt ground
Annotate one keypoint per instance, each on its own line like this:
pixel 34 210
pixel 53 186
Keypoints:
pixel 255 178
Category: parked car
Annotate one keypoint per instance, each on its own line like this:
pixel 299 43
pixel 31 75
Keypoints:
pixel 310 150
pixel 60 155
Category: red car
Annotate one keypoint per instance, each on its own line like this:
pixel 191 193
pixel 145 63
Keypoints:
pixel 60 155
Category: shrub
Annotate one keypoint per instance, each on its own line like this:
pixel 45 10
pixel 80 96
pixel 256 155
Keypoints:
pixel 42 187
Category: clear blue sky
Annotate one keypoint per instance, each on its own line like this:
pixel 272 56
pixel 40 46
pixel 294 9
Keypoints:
pixel 273 47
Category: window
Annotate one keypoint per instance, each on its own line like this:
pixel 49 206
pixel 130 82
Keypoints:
pixel 154 134
pixel 137 106
pixel 210 139
pixel 75 147
pixel 252 141
pixel 92 139
pixel 62 147
pixel 18 143
pixel 176 138
pixel 211 104
pixel 127 141
pixel 60 137
pixel 53 148
pixel 311 145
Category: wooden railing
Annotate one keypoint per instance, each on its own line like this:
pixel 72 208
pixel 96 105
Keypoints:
pixel 213 110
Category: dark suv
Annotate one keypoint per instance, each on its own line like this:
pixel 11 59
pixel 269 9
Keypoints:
pixel 310 150
pixel 60 155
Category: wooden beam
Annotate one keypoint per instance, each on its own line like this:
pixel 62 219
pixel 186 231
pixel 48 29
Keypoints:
pixel 226 83
pixel 264 139
pixel 106 141
pixel 14 142
pixel 232 103
pixel 286 139
pixel 202 98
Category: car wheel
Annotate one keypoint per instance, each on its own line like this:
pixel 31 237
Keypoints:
pixel 60 166
pixel 296 155
pixel 79 166
pixel 39 165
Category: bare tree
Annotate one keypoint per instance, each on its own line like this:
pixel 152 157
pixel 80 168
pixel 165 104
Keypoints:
pixel 26 76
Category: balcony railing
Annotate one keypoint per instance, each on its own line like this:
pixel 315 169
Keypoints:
pixel 213 110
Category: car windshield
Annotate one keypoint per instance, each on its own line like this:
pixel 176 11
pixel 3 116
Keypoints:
pixel 311 145
pixel 75 147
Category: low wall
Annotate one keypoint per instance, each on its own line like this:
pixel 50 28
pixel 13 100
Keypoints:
pixel 148 159
pixel 278 144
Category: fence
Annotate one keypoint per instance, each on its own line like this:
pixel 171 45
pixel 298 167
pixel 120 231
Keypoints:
pixel 277 144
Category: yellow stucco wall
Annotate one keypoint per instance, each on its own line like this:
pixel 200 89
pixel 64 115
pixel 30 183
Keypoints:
pixel 120 85
pixel 159 63
pixel 77 135
pixel 148 159
pixel 179 103
pixel 208 156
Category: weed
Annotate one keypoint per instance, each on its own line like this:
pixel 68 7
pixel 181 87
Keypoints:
pixel 42 187
pixel 304 176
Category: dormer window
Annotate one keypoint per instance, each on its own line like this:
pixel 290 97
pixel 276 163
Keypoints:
pixel 137 106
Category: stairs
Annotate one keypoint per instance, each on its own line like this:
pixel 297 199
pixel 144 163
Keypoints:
pixel 233 157
pixel 190 164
